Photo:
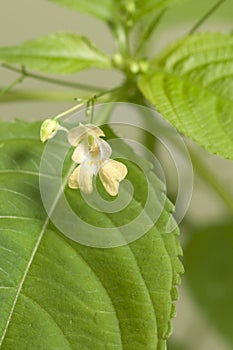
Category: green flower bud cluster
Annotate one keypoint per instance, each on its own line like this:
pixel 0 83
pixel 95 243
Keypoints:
pixel 130 65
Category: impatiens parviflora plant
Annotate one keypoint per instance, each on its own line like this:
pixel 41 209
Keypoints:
pixel 65 295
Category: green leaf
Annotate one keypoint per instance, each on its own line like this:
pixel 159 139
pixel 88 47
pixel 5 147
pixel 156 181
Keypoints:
pixel 103 9
pixel 174 345
pixel 191 84
pixel 208 261
pixel 56 53
pixel 58 294
pixel 110 10
pixel 144 7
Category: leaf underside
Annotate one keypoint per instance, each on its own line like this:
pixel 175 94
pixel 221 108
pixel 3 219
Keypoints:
pixel 191 84
pixel 101 9
pixel 111 10
pixel 62 53
pixel 58 294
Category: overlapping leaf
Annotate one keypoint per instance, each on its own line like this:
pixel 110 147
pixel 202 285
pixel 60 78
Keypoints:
pixel 56 53
pixel 145 7
pixel 209 262
pixel 109 10
pixel 191 84
pixel 58 294
pixel 102 9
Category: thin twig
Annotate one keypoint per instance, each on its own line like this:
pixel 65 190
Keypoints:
pixel 206 16
pixel 146 35
pixel 52 80
pixel 89 102
pixel 21 95
pixel 203 171
pixel 12 85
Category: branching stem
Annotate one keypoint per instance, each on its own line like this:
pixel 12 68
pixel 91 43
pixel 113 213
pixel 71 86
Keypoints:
pixel 55 81
pixel 149 31
pixel 203 170
pixel 89 102
pixel 206 16
pixel 12 85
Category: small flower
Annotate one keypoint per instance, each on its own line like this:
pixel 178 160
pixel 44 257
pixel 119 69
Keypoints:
pixel 82 132
pixel 93 153
pixel 48 129
pixel 111 174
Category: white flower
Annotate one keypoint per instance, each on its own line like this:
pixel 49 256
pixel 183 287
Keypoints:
pixel 82 132
pixel 93 153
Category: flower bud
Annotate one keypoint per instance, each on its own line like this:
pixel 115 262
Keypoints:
pixel 143 65
pixel 48 129
pixel 118 60
pixel 130 6
pixel 133 66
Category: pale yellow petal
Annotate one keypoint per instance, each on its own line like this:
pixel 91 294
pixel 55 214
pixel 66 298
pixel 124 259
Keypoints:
pixel 80 152
pixel 76 135
pixel 73 181
pixel 85 177
pixel 94 130
pixel 104 149
pixel 111 173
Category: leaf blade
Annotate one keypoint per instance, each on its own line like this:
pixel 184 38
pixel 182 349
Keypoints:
pixel 145 7
pixel 210 272
pixel 191 86
pixel 113 290
pixel 103 10
pixel 62 53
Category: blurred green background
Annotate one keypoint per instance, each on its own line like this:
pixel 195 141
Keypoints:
pixel 205 308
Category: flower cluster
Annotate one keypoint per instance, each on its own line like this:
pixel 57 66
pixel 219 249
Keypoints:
pixel 92 154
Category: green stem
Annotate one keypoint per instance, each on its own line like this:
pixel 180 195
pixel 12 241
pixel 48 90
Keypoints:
pixel 70 110
pixel 109 92
pixel 122 39
pixel 12 85
pixel 89 101
pixel 52 80
pixel 205 16
pixel 204 172
pixel 149 31
pixel 45 95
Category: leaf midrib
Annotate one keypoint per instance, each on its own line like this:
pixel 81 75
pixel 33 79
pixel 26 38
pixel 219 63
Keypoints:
pixel 41 234
pixel 23 279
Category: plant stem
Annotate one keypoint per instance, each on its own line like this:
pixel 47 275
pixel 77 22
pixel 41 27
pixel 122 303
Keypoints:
pixel 90 101
pixel 70 110
pixel 204 172
pixel 205 16
pixel 110 91
pixel 149 31
pixel 55 81
pixel 12 85
pixel 122 39
pixel 43 95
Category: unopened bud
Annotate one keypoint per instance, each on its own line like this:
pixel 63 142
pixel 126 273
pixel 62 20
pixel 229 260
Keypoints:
pixel 48 129
pixel 143 65
pixel 134 67
pixel 130 6
pixel 118 60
